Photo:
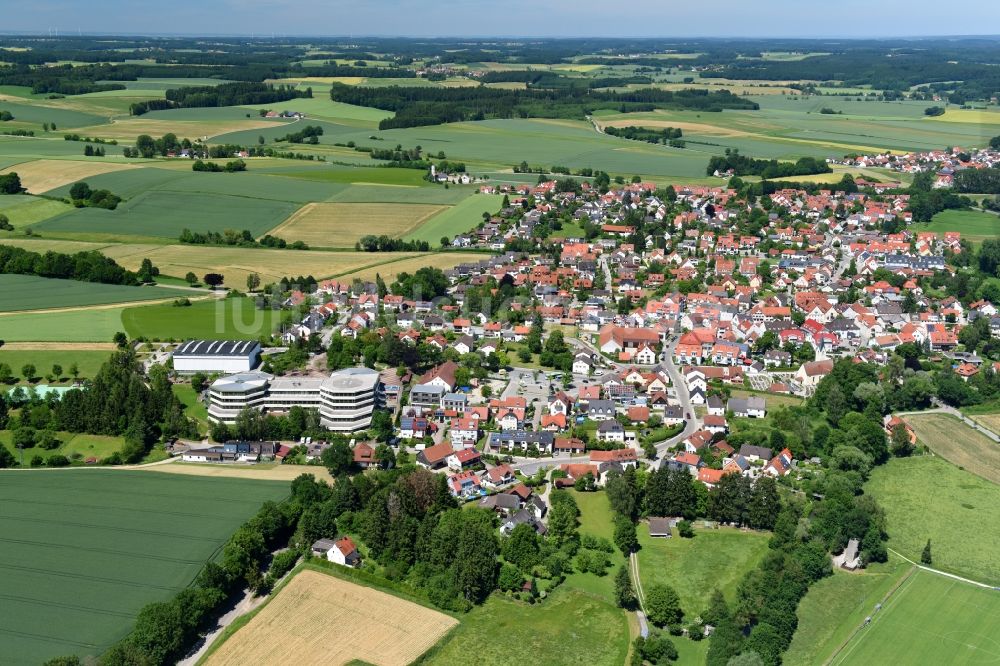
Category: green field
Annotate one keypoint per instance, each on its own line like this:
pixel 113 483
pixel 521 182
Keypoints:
pixel 224 319
pixel 457 219
pixel 93 325
pixel 25 210
pixel 695 567
pixel 566 629
pixel 836 606
pixel 959 444
pixel 596 519
pixel 87 361
pixel 29 292
pixel 165 214
pixel 930 619
pixel 85 549
pixel 974 226
pixel 928 498
pixel 75 446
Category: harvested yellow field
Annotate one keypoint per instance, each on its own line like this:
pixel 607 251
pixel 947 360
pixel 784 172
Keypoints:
pixel 129 128
pixel 319 619
pixel 260 472
pixel 389 271
pixel 342 224
pixel 235 264
pixel 40 176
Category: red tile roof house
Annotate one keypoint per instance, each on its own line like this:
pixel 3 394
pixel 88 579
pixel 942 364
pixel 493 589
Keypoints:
pixel 435 456
pixel 499 476
pixel 341 551
pixel 364 455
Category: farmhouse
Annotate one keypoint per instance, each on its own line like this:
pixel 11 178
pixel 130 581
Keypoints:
pixel 229 356
pixel 341 551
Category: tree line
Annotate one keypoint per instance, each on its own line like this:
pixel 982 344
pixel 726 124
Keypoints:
pixel 667 135
pixel 86 266
pixel 741 165
pixel 243 238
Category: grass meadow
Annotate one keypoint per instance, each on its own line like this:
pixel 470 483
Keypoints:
pixel 695 567
pixel 930 619
pixel 974 226
pixel 88 325
pixel 85 549
pixel 457 219
pixel 223 319
pixel 29 292
pixel 959 444
pixel 78 447
pixel 567 625
pixel 961 516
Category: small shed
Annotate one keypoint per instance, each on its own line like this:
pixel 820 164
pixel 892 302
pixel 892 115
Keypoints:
pixel 660 527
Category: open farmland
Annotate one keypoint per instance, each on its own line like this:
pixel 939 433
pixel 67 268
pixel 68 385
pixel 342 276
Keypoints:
pixel 695 567
pixel 236 263
pixel 975 226
pixel 457 219
pixel 557 631
pixel 930 619
pixel 342 224
pixel 215 319
pixel 962 520
pixel 85 549
pixel 42 176
pixel 94 324
pixel 29 292
pixel 319 618
pixel 390 269
pixel 958 443
pixel 166 214
pixel 25 210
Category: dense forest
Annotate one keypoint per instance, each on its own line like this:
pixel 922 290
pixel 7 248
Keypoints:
pixel 226 94
pixel 417 106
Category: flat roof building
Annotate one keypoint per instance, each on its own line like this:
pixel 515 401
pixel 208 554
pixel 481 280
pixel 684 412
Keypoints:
pixel 345 400
pixel 216 356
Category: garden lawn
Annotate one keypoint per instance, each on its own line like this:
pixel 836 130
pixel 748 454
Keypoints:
pixel 85 549
pixel 194 408
pixel 215 319
pixel 87 362
pixel 929 498
pixel 835 606
pixel 930 619
pixel 566 629
pixel 457 219
pixel 75 446
pixel 597 520
pixel 695 567
pixel 30 292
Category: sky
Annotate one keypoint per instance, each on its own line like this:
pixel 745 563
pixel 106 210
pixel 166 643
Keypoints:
pixel 556 18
